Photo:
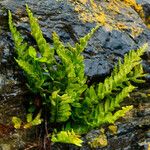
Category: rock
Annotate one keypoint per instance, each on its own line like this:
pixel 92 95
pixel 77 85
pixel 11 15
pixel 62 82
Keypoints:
pixel 146 8
pixel 102 53
pixel 143 1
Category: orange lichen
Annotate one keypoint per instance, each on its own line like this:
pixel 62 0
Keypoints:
pixel 113 6
pixel 133 3
pixel 113 129
pixel 106 13
pixel 121 26
pixel 84 1
pixel 89 11
pixel 99 141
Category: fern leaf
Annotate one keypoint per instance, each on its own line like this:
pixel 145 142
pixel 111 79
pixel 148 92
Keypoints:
pixel 74 68
pixel 67 137
pixel 17 122
pixel 78 59
pixel 36 32
pixel 32 52
pixel 95 113
pixel 111 104
pixel 61 109
pixel 119 114
pixel 102 118
pixel 121 72
pixel 65 56
pixel 20 45
pixel 84 40
pixel 33 122
pixel 28 68
pixel 137 74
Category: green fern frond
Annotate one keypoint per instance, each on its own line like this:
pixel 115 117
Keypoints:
pixel 78 59
pixel 20 45
pixel 67 137
pixel 61 109
pixel 34 75
pixel 33 122
pixel 137 74
pixel 120 74
pixel 84 40
pixel 36 32
pixel 65 56
pixel 120 113
pixel 91 112
pixel 73 62
pixel 112 103
pixel 28 68
pixel 102 118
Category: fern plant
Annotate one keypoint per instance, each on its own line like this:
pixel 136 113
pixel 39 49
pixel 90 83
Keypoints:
pixel 56 73
pixel 67 137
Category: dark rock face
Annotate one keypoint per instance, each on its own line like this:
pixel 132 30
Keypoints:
pixel 102 53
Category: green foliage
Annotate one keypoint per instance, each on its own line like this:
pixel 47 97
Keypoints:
pixel 56 74
pixel 61 109
pixel 102 99
pixel 67 137
pixel 44 48
pixel 20 46
pixel 18 123
pixel 33 122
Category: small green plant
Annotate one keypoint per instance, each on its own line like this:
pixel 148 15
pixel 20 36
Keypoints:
pixel 30 121
pixel 56 74
pixel 67 137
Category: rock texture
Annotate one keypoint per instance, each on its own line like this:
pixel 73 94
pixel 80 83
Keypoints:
pixel 103 51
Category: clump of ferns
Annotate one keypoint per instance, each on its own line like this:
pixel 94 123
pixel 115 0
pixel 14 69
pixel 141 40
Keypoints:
pixel 69 101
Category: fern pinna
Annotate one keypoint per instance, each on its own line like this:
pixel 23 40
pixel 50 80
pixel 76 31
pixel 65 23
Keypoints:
pixel 57 73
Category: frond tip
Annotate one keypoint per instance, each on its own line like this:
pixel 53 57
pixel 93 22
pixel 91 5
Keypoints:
pixel 120 113
pixel 67 137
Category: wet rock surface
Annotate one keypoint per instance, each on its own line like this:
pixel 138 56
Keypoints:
pixel 102 53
